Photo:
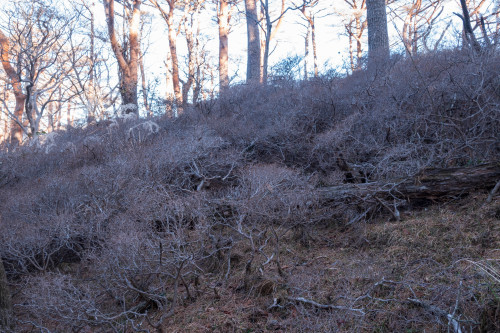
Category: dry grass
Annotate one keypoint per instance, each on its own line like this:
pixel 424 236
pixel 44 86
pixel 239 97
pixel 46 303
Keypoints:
pixel 434 255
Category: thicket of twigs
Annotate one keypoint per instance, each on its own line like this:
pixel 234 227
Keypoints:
pixel 213 222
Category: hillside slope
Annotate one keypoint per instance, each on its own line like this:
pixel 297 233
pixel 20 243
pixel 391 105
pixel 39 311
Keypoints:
pixel 215 221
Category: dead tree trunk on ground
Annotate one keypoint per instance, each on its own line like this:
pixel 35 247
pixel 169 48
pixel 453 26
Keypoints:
pixel 430 184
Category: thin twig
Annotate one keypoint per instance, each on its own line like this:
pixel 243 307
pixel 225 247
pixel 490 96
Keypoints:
pixel 493 192
pixel 324 306
pixel 435 310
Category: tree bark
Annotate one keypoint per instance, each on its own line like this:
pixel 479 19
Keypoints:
pixel 144 87
pixel 192 45
pixel 16 128
pixel 91 115
pixel 223 20
pixel 315 53
pixel 351 52
pixel 253 40
pixel 306 50
pixel 128 67
pixel 5 301
pixel 469 33
pixel 172 43
pixel 430 184
pixel 378 37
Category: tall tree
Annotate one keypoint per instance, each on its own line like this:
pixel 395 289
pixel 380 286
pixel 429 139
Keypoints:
pixel 468 32
pixel 16 129
pixel 128 59
pixel 355 24
pixel 420 16
pixel 253 41
pixel 191 29
pixel 269 33
pixel 223 18
pixel 35 59
pixel 378 36
pixel 307 13
pixel 146 20
pixel 168 16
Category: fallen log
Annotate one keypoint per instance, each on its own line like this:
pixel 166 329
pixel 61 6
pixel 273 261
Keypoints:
pixel 429 184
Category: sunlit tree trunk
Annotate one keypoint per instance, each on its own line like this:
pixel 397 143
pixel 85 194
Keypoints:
pixel 378 37
pixel 128 67
pixel 172 43
pixel 172 40
pixel 223 18
pixel 190 26
pixel 93 102
pixel 351 48
pixel 360 27
pixel 315 52
pixel 16 130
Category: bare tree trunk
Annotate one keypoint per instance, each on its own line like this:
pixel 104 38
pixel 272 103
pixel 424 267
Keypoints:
pixel 485 34
pixel 59 109
pixel 405 33
pixel 92 107
pixel 306 50
pixel 192 45
pixel 223 20
pixel 269 26
pixel 16 128
pixel 497 28
pixel 5 300
pixel 69 118
pixel 351 51
pixel 269 35
pixel 253 53
pixel 415 38
pixel 262 38
pixel 144 87
pixel 172 42
pixel 429 184
pixel 128 67
pixel 378 37
pixel 50 115
pixel 360 27
pixel 5 130
pixel 198 84
pixel 355 27
pixel 468 32
pixel 315 53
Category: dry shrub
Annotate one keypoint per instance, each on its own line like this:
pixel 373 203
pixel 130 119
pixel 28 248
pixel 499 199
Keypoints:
pixel 270 193
pixel 122 222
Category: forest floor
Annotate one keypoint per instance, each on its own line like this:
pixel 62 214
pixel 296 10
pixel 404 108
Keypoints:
pixel 435 267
